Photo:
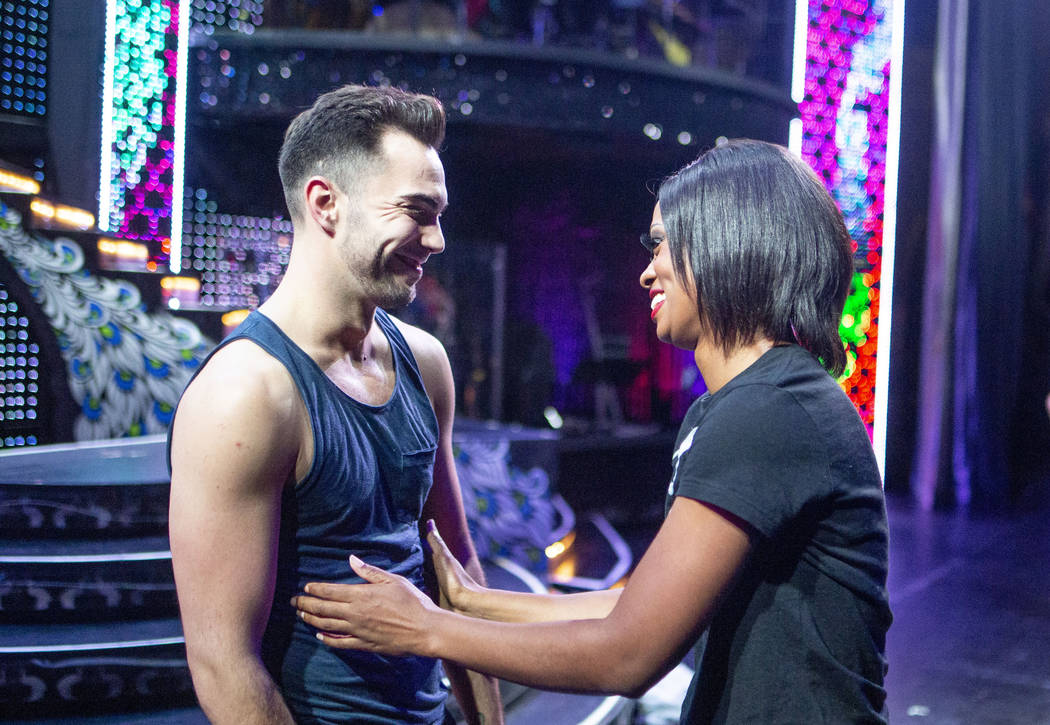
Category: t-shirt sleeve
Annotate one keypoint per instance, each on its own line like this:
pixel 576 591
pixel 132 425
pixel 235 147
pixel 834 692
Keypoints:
pixel 758 455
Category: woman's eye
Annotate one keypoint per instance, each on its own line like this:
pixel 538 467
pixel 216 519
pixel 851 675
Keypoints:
pixel 651 244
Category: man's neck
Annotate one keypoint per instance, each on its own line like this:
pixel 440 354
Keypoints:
pixel 325 319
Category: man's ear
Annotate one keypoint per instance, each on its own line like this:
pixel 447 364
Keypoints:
pixel 321 203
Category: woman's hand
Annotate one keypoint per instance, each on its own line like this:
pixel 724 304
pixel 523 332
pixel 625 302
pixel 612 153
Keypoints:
pixel 456 585
pixel 386 615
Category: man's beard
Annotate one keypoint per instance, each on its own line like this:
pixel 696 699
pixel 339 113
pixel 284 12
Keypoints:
pixel 390 298
pixel 381 286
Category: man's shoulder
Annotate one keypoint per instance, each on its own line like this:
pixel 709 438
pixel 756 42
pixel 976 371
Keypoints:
pixel 241 375
pixel 242 363
pixel 432 361
pixel 239 420
pixel 421 342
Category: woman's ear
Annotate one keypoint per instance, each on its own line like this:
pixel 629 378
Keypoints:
pixel 321 195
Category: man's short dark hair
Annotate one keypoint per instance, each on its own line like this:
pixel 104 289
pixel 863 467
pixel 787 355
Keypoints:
pixel 766 244
pixel 339 135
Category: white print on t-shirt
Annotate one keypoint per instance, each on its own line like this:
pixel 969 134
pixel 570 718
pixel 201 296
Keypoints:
pixel 686 444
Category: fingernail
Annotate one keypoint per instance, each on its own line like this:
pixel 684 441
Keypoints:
pixel 319 636
pixel 431 526
pixel 355 560
pixel 306 589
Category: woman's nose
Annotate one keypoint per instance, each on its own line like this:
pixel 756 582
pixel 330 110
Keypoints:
pixel 648 275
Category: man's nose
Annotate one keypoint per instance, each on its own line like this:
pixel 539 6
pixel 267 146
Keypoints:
pixel 433 239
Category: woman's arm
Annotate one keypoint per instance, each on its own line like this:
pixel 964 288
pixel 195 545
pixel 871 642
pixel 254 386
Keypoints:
pixel 468 597
pixel 664 607
pixel 477 694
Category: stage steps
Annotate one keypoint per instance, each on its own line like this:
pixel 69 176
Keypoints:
pixel 50 669
pixel 73 579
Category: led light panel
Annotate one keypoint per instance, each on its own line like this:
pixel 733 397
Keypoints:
pixel 846 89
pixel 23 60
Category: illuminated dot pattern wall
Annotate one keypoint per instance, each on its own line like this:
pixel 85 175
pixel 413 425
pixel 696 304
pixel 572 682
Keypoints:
pixel 141 108
pixel 844 122
pixel 239 259
pixel 23 62
pixel 242 16
pixel 142 117
pixel 19 376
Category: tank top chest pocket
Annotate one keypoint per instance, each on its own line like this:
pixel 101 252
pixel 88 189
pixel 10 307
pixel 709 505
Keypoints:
pixel 411 483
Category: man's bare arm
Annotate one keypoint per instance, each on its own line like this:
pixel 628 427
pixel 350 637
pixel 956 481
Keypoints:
pixel 477 694
pixel 234 447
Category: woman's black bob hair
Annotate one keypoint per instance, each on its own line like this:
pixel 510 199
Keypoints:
pixel 766 245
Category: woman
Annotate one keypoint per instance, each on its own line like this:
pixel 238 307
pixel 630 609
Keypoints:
pixel 772 556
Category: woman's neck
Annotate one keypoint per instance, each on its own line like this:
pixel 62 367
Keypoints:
pixel 718 368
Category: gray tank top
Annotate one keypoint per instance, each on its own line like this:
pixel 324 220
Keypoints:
pixel 372 470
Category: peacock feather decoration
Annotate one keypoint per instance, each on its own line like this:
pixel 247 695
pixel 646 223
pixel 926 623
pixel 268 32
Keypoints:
pixel 126 367
pixel 509 511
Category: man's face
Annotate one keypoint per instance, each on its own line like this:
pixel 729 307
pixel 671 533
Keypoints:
pixel 393 220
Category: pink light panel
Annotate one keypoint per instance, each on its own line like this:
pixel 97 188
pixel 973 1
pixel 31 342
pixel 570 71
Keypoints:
pixel 844 138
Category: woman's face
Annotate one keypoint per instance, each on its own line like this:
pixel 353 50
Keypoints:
pixel 672 300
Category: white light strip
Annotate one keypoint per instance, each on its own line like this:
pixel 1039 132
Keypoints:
pixel 527 577
pixel 566 518
pixel 795 131
pixel 39 648
pixel 85 558
pixel 798 62
pixel 601 714
pixel 179 146
pixel 889 234
pixel 119 446
pixel 618 571
pixel 105 199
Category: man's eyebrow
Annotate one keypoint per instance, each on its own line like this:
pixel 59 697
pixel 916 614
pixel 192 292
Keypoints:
pixel 433 202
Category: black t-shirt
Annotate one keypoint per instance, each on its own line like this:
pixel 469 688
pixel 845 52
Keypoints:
pixel 801 636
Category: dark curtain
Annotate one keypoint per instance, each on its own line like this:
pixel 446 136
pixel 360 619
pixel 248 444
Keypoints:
pixel 982 351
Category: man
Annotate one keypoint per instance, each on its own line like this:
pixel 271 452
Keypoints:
pixel 315 430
